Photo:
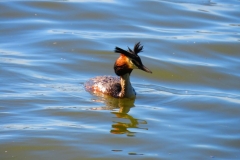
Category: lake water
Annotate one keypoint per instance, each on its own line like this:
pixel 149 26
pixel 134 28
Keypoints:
pixel 189 108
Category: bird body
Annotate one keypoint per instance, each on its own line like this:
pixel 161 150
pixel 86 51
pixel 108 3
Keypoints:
pixel 119 87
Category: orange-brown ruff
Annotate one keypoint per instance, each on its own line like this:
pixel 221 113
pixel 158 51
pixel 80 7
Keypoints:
pixel 118 87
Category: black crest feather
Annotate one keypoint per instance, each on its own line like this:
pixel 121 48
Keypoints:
pixel 130 50
pixel 130 53
pixel 138 48
pixel 122 51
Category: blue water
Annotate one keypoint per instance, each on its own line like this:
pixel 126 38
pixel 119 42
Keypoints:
pixel 187 109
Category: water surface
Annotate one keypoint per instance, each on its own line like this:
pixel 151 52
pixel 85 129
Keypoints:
pixel 187 109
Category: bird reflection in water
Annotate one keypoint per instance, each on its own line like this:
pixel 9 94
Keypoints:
pixel 122 120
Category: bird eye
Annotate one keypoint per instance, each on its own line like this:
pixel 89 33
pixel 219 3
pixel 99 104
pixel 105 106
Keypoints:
pixel 135 62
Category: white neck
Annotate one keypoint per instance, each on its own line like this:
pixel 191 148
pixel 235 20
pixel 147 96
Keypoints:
pixel 127 89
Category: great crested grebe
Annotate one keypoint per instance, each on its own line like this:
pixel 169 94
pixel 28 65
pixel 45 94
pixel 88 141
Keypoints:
pixel 115 86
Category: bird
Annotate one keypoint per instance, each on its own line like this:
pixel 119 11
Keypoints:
pixel 119 87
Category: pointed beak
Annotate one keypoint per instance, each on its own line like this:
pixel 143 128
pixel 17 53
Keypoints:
pixel 145 69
